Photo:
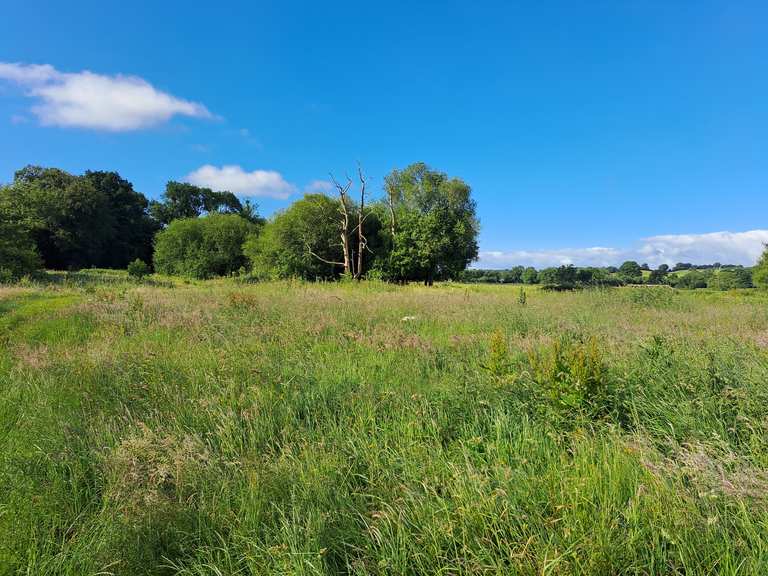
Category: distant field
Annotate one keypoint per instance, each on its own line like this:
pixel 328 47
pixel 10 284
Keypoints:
pixel 294 428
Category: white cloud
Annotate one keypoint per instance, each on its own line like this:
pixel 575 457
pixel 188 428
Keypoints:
pixel 596 256
pixel 318 187
pixel 725 247
pixel 87 100
pixel 238 181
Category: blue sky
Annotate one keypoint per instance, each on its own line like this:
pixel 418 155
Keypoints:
pixel 589 131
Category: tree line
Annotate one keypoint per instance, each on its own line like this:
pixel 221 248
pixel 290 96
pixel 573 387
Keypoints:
pixel 681 275
pixel 423 227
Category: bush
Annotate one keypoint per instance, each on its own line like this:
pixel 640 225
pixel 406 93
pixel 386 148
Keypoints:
pixel 203 247
pixel 138 269
pixel 569 380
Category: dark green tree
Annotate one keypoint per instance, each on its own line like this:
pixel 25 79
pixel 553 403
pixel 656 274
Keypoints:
pixel 692 280
pixel 433 225
pixel 18 254
pixel 561 278
pixel 133 229
pixel 183 200
pixel 530 276
pixel 630 272
pixel 304 241
pixel 731 278
pixel 203 247
pixel 659 276
pixel 69 218
pixel 81 221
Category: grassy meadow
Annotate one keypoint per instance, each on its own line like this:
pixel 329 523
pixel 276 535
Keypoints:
pixel 222 428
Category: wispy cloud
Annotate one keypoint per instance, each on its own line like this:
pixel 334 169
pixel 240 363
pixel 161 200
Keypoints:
pixel 318 187
pixel 236 180
pixel 725 247
pixel 95 101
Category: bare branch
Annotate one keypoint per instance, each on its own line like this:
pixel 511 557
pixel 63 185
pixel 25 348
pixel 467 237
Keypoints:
pixel 312 253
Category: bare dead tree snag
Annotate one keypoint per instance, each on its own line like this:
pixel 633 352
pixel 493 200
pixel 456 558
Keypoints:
pixel 343 191
pixel 362 241
pixel 391 206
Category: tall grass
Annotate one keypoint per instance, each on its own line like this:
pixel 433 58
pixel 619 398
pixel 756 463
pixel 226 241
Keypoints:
pixel 294 428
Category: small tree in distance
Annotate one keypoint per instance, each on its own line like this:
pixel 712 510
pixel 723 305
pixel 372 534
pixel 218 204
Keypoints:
pixel 630 272
pixel 138 269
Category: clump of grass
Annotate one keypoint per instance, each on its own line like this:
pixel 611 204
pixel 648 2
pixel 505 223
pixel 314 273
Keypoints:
pixel 568 380
pixel 150 472
pixel 498 354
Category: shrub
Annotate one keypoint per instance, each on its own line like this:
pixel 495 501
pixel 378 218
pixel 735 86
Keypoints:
pixel 138 269
pixel 498 355
pixel 568 380
pixel 203 247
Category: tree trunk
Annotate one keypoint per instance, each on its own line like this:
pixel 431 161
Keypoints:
pixel 361 241
pixel 344 233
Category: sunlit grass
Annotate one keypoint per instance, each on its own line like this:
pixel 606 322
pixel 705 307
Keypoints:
pixel 295 428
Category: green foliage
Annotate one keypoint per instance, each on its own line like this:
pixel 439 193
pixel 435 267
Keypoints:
pixel 138 269
pixel 18 254
pixel 731 279
pixel 630 272
pixel 133 230
pixel 571 377
pixel 530 276
pixel 182 200
pixel 498 354
pixel 659 276
pixel 562 278
pixel 692 279
pixel 522 299
pixel 760 271
pixel 302 241
pixel 203 247
pixel 435 224
pixel 80 221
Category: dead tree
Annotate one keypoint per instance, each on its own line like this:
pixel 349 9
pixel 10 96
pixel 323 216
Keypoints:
pixel 391 205
pixel 362 241
pixel 344 223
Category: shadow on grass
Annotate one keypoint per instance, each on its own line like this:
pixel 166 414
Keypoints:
pixel 95 277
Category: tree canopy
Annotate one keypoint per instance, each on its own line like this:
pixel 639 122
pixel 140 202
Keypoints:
pixel 631 272
pixel 80 221
pixel 301 241
pixel 433 225
pixel 203 247
pixel 183 200
pixel 18 254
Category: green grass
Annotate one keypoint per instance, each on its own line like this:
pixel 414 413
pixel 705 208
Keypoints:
pixel 293 428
